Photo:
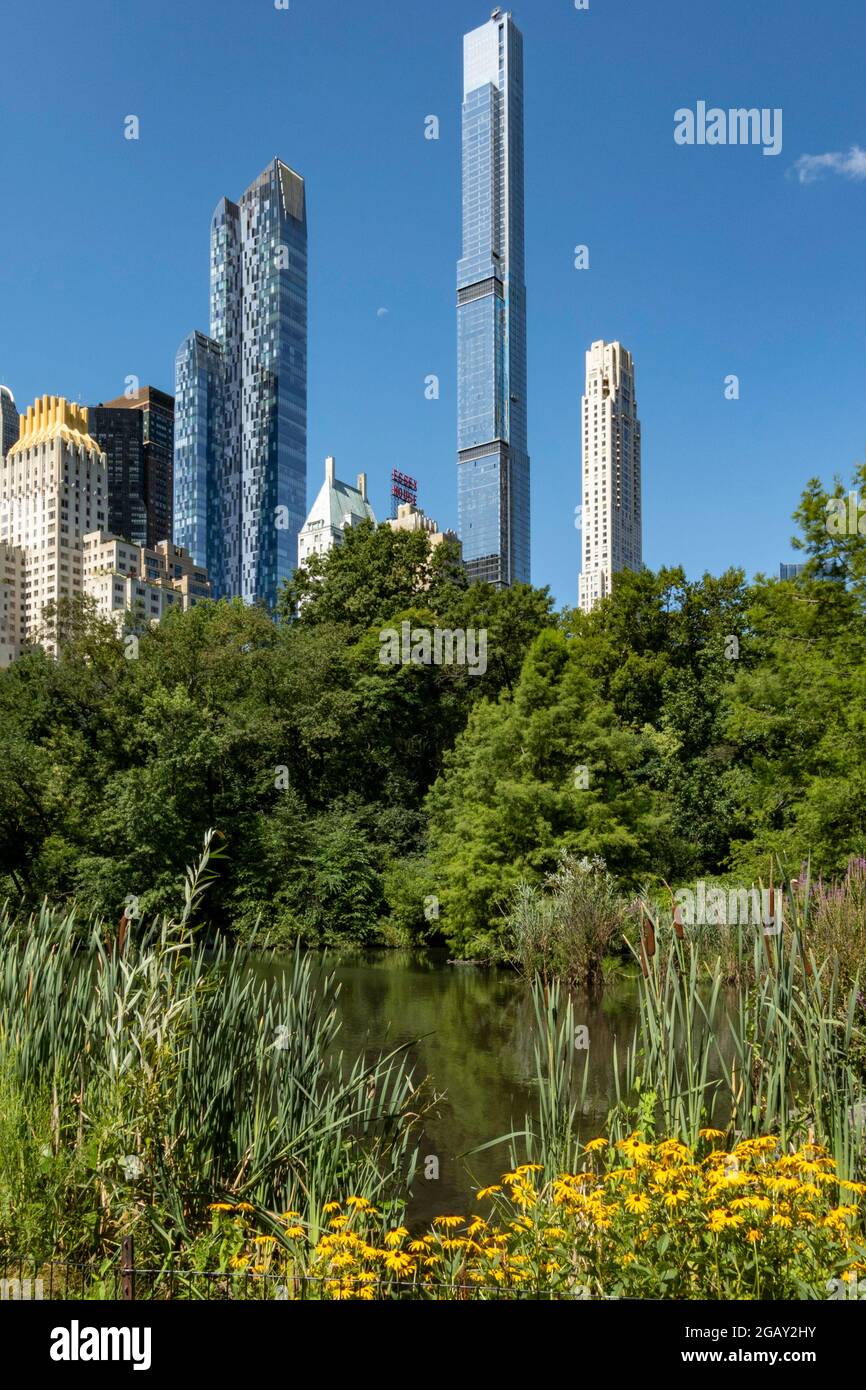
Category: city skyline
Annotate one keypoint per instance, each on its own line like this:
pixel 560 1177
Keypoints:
pixel 759 297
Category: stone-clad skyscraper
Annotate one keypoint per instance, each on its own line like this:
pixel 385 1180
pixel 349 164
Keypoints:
pixel 493 459
pixel 241 408
pixel 611 452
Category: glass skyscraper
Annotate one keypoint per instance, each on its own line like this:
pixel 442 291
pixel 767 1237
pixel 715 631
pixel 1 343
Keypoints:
pixel 136 433
pixel 493 458
pixel 198 452
pixel 8 421
pixel 241 409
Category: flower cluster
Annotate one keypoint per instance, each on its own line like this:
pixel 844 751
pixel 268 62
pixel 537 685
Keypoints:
pixel 640 1219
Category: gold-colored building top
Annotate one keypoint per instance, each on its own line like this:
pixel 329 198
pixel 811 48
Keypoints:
pixel 50 417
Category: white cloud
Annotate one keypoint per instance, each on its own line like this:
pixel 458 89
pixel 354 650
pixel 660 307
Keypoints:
pixel 852 165
pixel 382 313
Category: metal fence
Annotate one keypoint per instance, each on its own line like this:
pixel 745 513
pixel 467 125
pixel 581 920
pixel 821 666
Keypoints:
pixel 121 1279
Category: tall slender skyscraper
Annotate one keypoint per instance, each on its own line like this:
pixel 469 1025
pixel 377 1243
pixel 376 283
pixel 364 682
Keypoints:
pixel 493 459
pixel 611 452
pixel 241 409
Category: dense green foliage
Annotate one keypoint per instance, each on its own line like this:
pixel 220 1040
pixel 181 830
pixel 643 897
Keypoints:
pixel 682 729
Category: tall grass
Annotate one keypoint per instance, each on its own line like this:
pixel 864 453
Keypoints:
pixel 142 1084
pixel 773 1051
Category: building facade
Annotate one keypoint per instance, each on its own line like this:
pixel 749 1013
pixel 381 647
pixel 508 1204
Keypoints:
pixel 198 450
pixel 13 624
pixel 338 508
pixel 143 581
pixel 493 458
pixel 611 471
pixel 241 408
pixel 136 433
pixel 8 420
pixel 412 518
pixel 53 490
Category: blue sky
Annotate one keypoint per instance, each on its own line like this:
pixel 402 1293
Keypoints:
pixel 705 262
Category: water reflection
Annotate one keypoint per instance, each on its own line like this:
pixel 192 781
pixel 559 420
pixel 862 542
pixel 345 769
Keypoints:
pixel 475 1042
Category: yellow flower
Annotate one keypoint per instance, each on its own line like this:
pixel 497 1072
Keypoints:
pixel 244 1206
pixel 449 1222
pixel 635 1147
pixel 294 1232
pixel 711 1134
pixel 637 1202
pixel 359 1203
pixel 265 1240
pixel 488 1192
pixel 595 1145
pixel 674 1199
pixel 327 1208
pixel 220 1206
pixel 395 1237
pixel 753 1236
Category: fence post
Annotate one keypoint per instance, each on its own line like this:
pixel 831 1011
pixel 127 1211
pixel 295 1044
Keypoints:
pixel 127 1269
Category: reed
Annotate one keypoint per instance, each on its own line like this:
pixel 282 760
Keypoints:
pixel 774 1051
pixel 168 1075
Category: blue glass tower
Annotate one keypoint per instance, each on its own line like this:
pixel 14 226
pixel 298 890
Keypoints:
pixel 493 458
pixel 198 444
pixel 241 413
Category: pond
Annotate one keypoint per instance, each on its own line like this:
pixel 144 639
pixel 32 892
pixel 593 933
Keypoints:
pixel 474 1029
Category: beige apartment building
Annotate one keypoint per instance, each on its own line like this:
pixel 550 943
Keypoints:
pixel 53 489
pixel 53 542
pixel 611 472
pixel 411 518
pixel 142 580
pixel 13 627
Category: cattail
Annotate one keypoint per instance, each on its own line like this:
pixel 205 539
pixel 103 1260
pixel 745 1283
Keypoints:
pixel 678 923
pixel 770 924
pixel 649 938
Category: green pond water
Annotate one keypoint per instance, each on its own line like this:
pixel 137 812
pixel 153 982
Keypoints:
pixel 474 1032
